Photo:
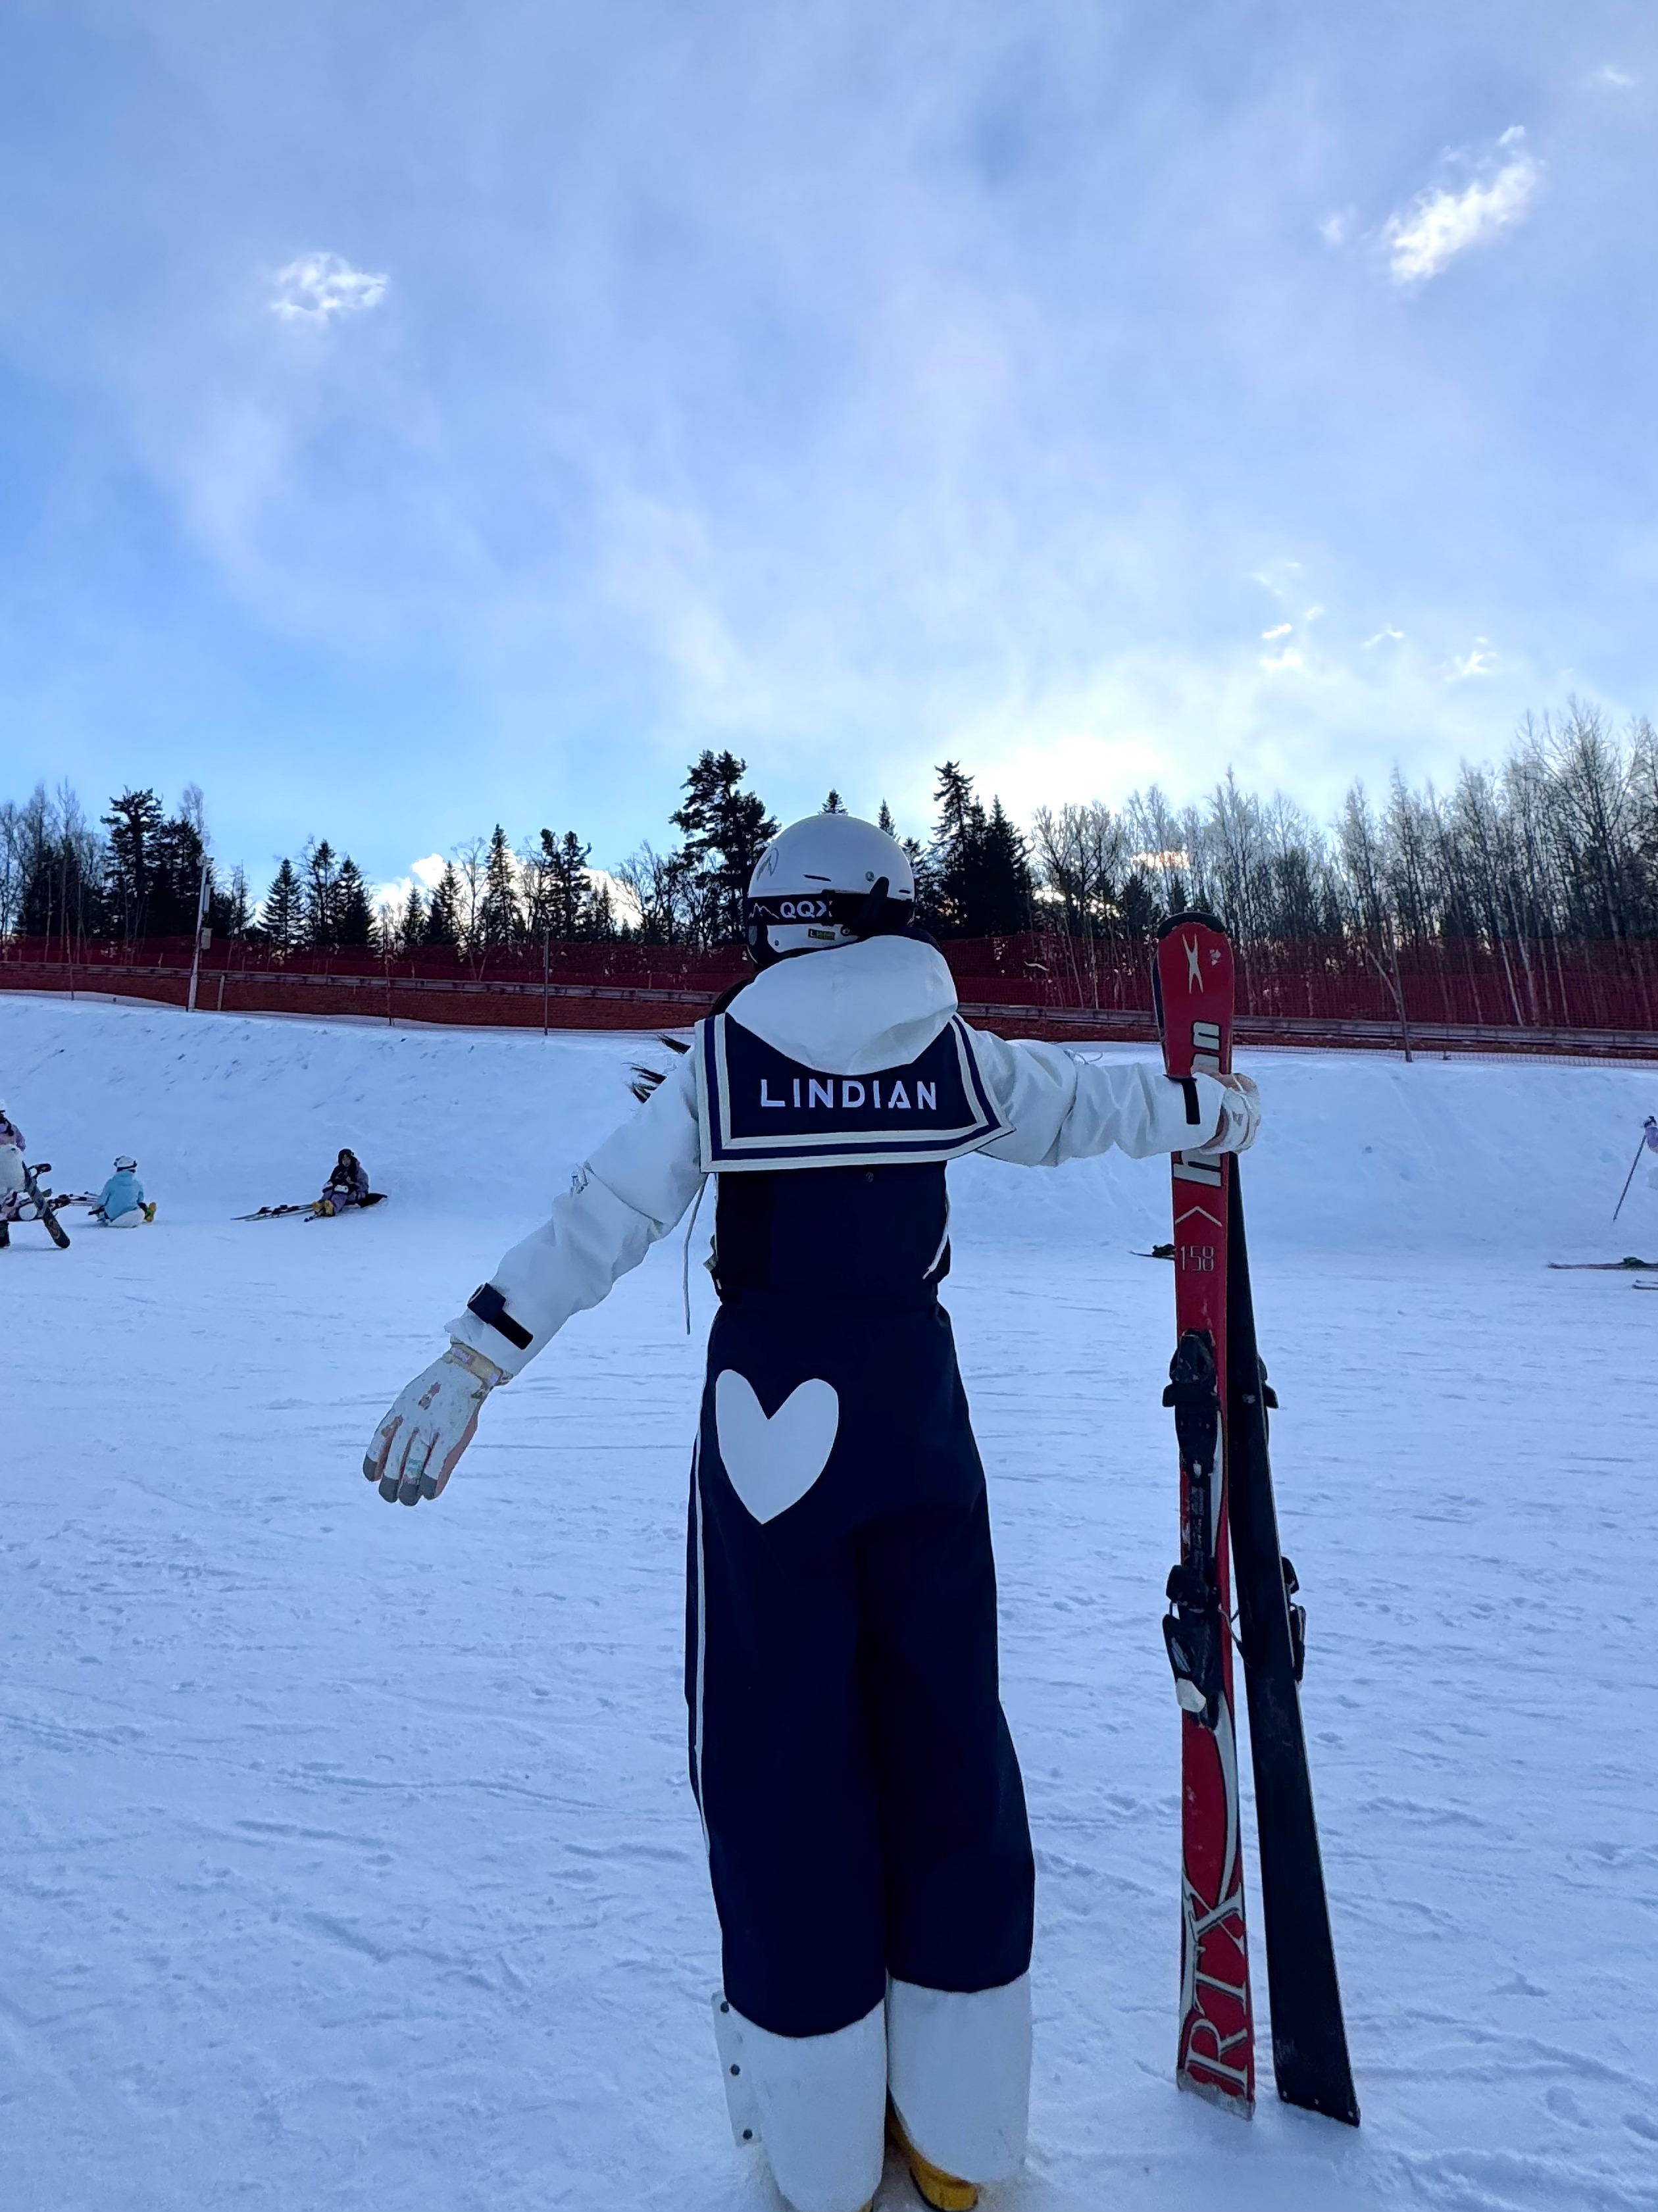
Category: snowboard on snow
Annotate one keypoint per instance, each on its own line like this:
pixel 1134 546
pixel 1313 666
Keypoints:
pixel 1229 1531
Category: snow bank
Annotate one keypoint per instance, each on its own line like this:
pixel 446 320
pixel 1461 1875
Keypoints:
pixel 1360 1153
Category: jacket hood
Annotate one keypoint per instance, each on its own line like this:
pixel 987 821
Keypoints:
pixel 853 1011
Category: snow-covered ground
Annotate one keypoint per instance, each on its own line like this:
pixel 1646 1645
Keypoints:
pixel 346 1857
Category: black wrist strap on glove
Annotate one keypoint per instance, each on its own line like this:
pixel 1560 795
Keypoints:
pixel 488 1303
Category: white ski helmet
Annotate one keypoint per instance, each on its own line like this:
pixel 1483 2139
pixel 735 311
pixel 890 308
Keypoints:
pixel 126 1164
pixel 828 880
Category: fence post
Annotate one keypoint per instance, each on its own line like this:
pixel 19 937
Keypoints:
pixel 546 959
pixel 1393 983
pixel 196 956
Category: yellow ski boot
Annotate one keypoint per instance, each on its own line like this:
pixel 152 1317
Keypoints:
pixel 946 2192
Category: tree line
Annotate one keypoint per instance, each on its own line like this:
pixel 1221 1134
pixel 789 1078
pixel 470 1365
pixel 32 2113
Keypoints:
pixel 137 873
pixel 1558 843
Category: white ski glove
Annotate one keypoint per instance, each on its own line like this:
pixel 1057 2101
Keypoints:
pixel 1239 1116
pixel 417 1446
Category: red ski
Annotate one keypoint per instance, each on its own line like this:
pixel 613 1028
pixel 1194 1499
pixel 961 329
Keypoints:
pixel 1193 981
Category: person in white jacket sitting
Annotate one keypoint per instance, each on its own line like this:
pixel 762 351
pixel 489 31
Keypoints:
pixel 859 1794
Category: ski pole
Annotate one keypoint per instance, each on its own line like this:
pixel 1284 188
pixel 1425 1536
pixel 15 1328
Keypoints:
pixel 1630 1177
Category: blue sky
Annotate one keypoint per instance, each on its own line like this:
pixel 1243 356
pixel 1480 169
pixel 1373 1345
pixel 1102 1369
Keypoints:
pixel 418 416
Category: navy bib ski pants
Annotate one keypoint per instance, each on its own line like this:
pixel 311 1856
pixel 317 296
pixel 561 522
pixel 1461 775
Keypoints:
pixel 858 1785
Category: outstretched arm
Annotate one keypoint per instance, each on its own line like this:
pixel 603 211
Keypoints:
pixel 1065 1108
pixel 633 1190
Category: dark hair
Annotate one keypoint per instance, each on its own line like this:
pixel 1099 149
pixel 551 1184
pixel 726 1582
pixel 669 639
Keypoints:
pixel 647 1079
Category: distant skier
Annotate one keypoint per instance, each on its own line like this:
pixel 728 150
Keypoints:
pixel 347 1185
pixel 120 1203
pixel 860 1799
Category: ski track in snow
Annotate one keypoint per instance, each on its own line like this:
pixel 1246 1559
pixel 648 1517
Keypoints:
pixel 346 1854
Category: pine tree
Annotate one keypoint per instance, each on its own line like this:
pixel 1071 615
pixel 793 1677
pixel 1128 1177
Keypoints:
pixel 601 924
pixel 354 918
pixel 926 909
pixel 177 854
pixel 561 900
pixel 443 913
pixel 957 844
pixel 832 805
pixel 133 821
pixel 411 927
pixel 319 903
pixel 883 820
pixel 571 895
pixel 499 918
pixel 281 915
pixel 725 832
pixel 1001 886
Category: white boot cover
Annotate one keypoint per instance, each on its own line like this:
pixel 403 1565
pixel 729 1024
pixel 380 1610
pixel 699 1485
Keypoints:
pixel 132 1218
pixel 959 2070
pixel 817 2103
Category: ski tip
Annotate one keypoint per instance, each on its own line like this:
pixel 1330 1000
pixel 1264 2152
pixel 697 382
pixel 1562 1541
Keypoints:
pixel 1185 919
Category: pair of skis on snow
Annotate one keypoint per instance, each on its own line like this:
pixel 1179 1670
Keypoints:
pixel 311 1209
pixel 1229 1528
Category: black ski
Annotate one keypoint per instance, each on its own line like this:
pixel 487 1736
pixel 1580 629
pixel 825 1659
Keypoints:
pixel 1309 2039
pixel 1627 1266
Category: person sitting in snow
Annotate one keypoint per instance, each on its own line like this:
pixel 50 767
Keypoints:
pixel 120 1203
pixel 347 1185
pixel 12 1179
pixel 859 1794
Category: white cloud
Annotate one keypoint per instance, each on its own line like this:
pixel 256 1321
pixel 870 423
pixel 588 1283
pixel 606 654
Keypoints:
pixel 1335 227
pixel 1438 225
pixel 1609 73
pixel 1288 660
pixel 1312 614
pixel 319 285
pixel 1387 636
pixel 1479 662
pixel 623 905
pixel 427 874
pixel 1283 630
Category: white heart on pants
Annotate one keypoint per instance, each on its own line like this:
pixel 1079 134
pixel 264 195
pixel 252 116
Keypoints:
pixel 774 1463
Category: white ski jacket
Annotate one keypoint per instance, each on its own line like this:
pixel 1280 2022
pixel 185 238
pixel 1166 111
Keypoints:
pixel 852 1011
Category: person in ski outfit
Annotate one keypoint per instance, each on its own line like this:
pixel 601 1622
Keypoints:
pixel 13 1180
pixel 11 1156
pixel 860 1799
pixel 1649 1134
pixel 346 1184
pixel 121 1201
